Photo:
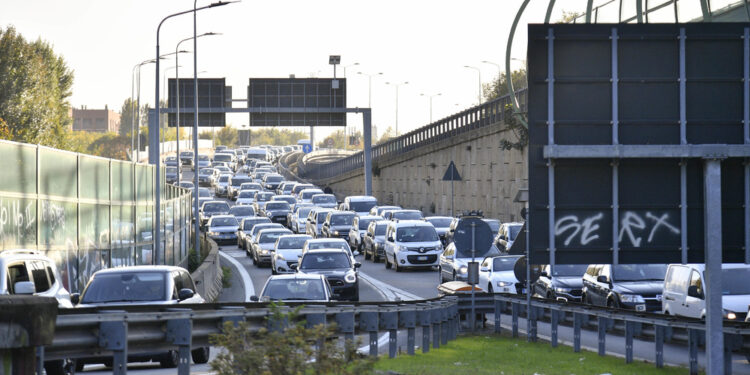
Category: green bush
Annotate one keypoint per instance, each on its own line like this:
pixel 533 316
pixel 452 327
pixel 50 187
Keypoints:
pixel 226 277
pixel 295 350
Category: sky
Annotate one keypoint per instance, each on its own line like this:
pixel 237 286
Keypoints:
pixel 424 43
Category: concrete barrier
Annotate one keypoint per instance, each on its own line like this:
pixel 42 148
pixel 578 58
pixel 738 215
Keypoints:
pixel 208 275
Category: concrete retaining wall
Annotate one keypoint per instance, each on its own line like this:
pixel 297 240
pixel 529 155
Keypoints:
pixel 208 275
pixel 491 176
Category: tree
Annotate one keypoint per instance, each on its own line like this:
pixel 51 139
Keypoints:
pixel 126 117
pixel 227 136
pixel 569 16
pixel 35 84
pixel 499 86
pixel 387 135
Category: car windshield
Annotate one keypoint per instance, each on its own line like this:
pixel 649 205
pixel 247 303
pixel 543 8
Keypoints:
pixel 206 171
pixel 309 194
pixel 260 227
pixel 237 181
pixel 126 287
pixel 274 179
pixel 407 215
pixel 289 200
pixel 323 199
pixel 223 158
pixel 242 211
pixel 637 272
pixel 224 222
pixel 328 245
pixel 416 234
pixel 263 197
pixel 364 223
pixel 342 219
pixel 171 170
pixel 247 194
pixel 380 229
pixel 223 178
pixel 251 186
pixel 266 237
pixel 202 157
pixel 294 289
pixel 513 230
pixel 325 261
pixel 569 270
pixel 277 206
pixel 504 263
pixel 186 154
pixel 203 192
pixel 735 281
pixel 440 222
pixel 320 216
pixel 303 212
pixel 292 242
pixel 249 224
pixel 363 206
pixel 299 188
pixel 216 207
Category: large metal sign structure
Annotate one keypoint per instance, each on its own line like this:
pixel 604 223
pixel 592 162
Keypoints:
pixel 212 93
pixel 312 93
pixel 639 145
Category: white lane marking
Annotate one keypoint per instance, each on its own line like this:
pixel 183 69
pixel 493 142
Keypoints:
pixel 249 288
pixel 400 293
pixel 235 253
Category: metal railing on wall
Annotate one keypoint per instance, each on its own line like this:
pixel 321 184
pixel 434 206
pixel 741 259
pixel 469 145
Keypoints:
pixel 486 114
pixel 85 212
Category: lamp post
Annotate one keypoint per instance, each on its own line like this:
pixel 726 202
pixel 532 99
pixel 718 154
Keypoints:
pixel 431 96
pixel 137 110
pixel 155 154
pixel 177 100
pixel 479 73
pixel 369 86
pixel 397 86
pixel 164 84
pixel 350 65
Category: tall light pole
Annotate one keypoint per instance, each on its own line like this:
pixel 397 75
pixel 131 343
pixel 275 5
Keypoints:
pixel 177 100
pixel 479 73
pixel 164 84
pixel 347 66
pixel 396 85
pixel 431 96
pixel 154 156
pixel 369 86
pixel 135 107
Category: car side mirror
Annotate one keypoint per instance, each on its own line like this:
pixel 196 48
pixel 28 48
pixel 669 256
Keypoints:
pixel 544 273
pixel 185 293
pixel 24 287
pixel 693 292
pixel 254 299
pixel 75 298
pixel 357 265
pixel 602 279
pixel 484 269
pixel 294 267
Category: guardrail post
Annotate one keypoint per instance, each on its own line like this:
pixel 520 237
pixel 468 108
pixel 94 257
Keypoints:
pixel 693 350
pixel 731 342
pixel 389 321
pixel 345 322
pixel 444 316
pixel 423 315
pixel 531 314
pixel 114 336
pixel 368 322
pixel 659 345
pixel 179 332
pixel 602 328
pixel 435 316
pixel 629 342
pixel 514 322
pixel 554 320
pixel 454 314
pixel 40 360
pixel 315 318
pixel 577 332
pixel 498 313
pixel 409 320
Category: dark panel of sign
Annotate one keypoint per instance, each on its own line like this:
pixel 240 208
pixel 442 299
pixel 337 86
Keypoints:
pixel 472 233
pixel 634 205
pixel 316 94
pixel 212 93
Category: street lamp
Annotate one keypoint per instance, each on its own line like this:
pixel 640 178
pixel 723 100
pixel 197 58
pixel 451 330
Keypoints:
pixel 155 154
pixel 136 111
pixel 369 86
pixel 164 84
pixel 346 66
pixel 397 86
pixel 431 96
pixel 479 73
pixel 177 99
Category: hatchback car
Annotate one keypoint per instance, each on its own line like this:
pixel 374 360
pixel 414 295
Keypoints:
pixel 374 240
pixel 211 208
pixel 246 197
pixel 324 200
pixel 315 220
pixel 242 212
pixel 337 225
pixel 222 229
pixel 496 275
pixel 630 286
pixel 563 282
pixel 338 269
pixel 287 250
pixel 276 211
pixel 245 230
pixel 296 287
pixel 263 245
pixel 358 229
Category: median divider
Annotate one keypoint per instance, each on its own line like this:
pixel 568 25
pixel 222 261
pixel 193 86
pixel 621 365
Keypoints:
pixel 208 275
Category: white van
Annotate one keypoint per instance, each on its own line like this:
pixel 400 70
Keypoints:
pixel 685 291
pixel 360 204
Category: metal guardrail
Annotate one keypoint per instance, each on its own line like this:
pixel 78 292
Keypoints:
pixel 82 333
pixel 477 117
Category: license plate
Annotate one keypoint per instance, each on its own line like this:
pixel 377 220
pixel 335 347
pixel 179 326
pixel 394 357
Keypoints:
pixel 523 290
pixel 422 257
pixel 640 307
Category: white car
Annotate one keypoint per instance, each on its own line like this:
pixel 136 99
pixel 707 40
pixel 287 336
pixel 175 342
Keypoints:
pixel 324 200
pixel 30 272
pixel 411 243
pixel 307 194
pixel 222 185
pixel 246 197
pixel 222 228
pixel 496 274
pixel 286 252
pixel 358 230
pixel 263 244
pixel 360 204
pixel 297 220
pixel 315 220
pixel 295 287
pixel 685 290
pixel 328 243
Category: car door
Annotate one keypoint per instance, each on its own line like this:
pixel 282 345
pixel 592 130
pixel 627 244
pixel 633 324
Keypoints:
pixel 601 288
pixel 390 240
pixel 446 262
pixel 354 233
pixel 541 285
pixel 694 305
pixel 485 274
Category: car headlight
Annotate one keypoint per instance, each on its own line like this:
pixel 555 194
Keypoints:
pixel 350 277
pixel 564 290
pixel 268 214
pixel 504 283
pixel 335 233
pixel 463 270
pixel 263 251
pixel 631 298
pixel 730 315
pixel 213 233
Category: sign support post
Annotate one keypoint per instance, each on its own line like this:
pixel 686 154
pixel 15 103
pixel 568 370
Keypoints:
pixel 713 259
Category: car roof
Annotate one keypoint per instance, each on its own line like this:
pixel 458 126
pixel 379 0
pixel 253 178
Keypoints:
pixel 297 276
pixel 316 240
pixel 222 216
pixel 215 201
pixel 295 236
pixel 142 268
pixel 22 254
pixel 369 217
pixel 360 198
pixel 411 223
pixel 323 251
pixel 438 217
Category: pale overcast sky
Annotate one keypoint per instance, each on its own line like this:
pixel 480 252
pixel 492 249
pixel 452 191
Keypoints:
pixel 426 43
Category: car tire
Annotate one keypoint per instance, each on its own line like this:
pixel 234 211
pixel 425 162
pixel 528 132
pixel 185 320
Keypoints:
pixel 56 367
pixel 367 255
pixel 387 262
pixel 201 355
pixel 79 365
pixel 108 363
pixel 169 360
pixel 395 265
pixel 255 259
pixel 489 289
pixel 612 304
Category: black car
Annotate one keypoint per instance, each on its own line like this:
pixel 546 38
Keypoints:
pixel 337 267
pixel 562 282
pixel 630 286
pixel 337 224
pixel 276 211
pixel 212 208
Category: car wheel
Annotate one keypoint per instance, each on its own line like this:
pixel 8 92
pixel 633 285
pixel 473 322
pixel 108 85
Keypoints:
pixel 108 363
pixel 611 303
pixel 395 265
pixel 255 259
pixel 170 359
pixel 549 295
pixel 79 365
pixel 56 367
pixel 200 355
pixel 489 289
pixel 367 255
pixel 387 262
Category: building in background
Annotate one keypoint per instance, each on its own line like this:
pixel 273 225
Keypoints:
pixel 95 120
